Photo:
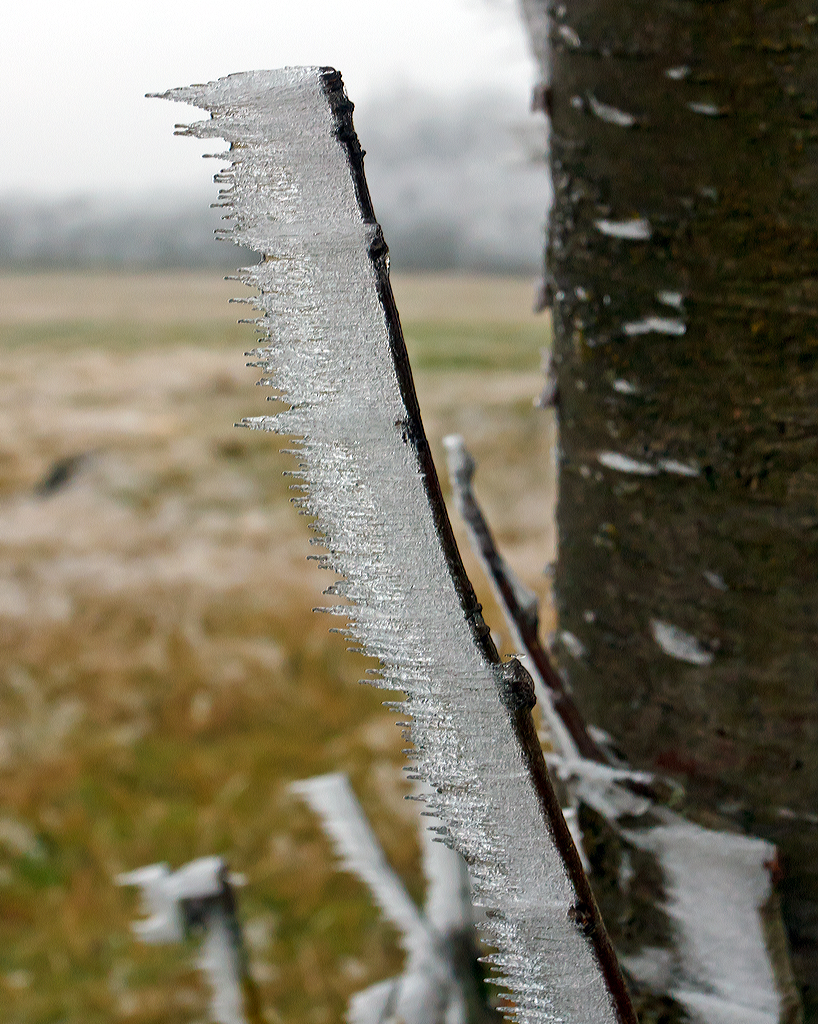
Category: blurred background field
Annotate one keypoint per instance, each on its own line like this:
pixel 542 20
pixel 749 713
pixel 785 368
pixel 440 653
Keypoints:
pixel 163 678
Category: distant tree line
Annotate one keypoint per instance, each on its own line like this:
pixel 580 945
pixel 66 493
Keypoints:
pixel 456 186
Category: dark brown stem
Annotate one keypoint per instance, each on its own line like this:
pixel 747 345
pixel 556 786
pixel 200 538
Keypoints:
pixel 586 913
pixel 251 998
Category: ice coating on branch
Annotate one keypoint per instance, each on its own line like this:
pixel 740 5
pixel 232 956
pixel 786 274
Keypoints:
pixel 721 971
pixel 439 983
pixel 218 961
pixel 331 797
pixel 328 345
pixel 198 896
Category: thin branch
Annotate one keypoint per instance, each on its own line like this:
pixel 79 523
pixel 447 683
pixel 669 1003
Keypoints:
pixel 521 609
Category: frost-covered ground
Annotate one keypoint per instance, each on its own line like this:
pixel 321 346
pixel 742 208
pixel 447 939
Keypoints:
pixel 163 678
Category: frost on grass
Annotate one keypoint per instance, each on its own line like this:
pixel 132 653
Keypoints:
pixel 332 348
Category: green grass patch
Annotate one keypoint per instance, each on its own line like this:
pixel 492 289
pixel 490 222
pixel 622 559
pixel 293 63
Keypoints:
pixel 443 346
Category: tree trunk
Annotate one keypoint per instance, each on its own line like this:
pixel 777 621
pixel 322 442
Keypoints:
pixel 683 266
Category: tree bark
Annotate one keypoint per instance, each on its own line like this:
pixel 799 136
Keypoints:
pixel 682 264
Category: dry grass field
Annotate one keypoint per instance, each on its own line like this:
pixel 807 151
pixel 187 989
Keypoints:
pixel 163 678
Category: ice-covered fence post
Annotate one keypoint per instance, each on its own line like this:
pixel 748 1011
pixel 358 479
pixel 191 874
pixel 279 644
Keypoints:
pixel 201 896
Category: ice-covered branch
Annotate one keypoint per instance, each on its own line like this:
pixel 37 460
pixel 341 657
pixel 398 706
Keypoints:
pixel 521 609
pixel 441 981
pixel 332 799
pixel 332 346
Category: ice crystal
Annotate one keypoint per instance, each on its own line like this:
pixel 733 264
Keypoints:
pixel 330 338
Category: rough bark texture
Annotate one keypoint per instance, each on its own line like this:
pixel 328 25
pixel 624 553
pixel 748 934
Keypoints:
pixel 687 352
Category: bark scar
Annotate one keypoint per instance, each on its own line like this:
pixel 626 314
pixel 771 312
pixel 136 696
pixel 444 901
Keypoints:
pixel 516 686
pixel 583 917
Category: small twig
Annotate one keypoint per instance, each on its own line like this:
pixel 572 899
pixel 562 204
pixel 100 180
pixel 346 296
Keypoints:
pixel 520 606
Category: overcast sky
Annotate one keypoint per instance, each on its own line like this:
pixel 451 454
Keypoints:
pixel 73 74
